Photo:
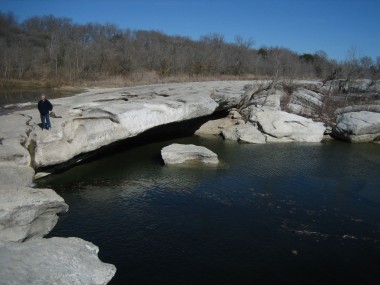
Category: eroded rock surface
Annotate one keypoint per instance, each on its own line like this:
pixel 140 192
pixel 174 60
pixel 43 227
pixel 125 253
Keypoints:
pixel 245 133
pixel 215 127
pixel 181 153
pixel 305 102
pixel 91 120
pixel 13 174
pixel 15 160
pixel 28 213
pixel 281 126
pixel 250 134
pixel 53 261
pixel 356 124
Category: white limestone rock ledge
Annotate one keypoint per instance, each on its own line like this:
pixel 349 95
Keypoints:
pixel 280 126
pixel 63 261
pixel 89 121
pixel 28 213
pixel 15 160
pixel 182 153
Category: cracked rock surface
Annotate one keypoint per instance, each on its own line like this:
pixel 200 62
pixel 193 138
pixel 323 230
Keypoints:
pixel 53 261
pixel 91 120
pixel 358 124
pixel 28 213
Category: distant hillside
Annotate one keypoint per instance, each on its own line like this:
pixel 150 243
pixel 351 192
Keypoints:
pixel 56 49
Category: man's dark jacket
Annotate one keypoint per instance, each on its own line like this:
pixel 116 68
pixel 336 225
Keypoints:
pixel 44 107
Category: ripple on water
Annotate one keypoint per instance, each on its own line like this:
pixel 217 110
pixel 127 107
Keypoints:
pixel 279 214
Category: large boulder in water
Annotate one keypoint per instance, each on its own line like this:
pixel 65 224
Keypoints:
pixel 356 124
pixel 281 126
pixel 27 213
pixel 53 261
pixel 181 153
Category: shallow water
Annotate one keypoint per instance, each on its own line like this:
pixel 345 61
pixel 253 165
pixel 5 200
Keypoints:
pixel 278 214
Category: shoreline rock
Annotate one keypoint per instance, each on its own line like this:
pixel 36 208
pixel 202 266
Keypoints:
pixel 53 261
pixel 280 126
pixel 244 133
pixel 359 126
pixel 99 117
pixel 250 134
pixel 216 127
pixel 233 127
pixel 28 213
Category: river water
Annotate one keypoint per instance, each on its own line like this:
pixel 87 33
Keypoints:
pixel 10 100
pixel 272 214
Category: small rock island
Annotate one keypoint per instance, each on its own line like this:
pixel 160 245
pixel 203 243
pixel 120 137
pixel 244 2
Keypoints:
pixel 180 153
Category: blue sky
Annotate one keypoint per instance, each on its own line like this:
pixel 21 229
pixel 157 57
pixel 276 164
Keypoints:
pixel 305 26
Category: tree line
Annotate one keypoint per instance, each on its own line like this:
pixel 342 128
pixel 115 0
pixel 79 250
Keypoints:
pixel 51 48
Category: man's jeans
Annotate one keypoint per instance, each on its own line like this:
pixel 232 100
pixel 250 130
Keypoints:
pixel 45 120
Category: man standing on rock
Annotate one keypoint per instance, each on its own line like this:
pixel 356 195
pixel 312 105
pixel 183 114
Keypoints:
pixel 44 106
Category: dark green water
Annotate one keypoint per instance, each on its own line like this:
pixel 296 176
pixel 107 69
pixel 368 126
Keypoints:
pixel 278 214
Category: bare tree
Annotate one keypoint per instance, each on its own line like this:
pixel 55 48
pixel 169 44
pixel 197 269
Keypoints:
pixel 57 49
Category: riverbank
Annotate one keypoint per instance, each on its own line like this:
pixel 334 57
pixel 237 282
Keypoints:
pixel 91 121
pixel 17 96
pixel 135 79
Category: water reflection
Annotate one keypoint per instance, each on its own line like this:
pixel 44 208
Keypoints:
pixel 12 100
pixel 280 214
